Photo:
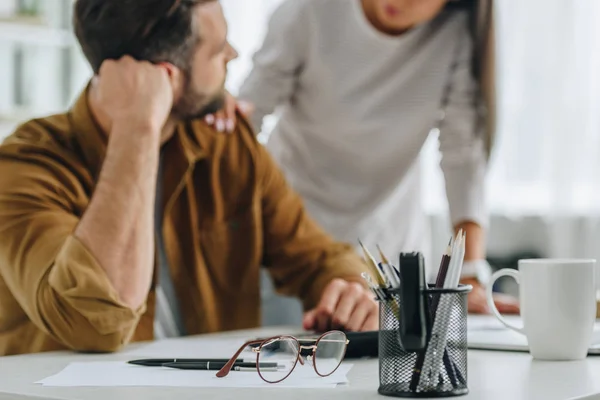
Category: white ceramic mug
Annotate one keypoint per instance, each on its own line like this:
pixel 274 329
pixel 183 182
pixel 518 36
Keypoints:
pixel 558 306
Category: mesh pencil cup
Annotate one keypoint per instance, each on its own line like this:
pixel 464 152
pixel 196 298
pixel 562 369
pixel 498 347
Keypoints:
pixel 440 369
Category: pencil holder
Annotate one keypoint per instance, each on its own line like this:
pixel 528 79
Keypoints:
pixel 440 368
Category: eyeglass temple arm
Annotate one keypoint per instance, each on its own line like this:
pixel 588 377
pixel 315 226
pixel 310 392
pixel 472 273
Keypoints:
pixel 227 367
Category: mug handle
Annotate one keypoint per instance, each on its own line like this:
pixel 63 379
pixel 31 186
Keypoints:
pixel 490 296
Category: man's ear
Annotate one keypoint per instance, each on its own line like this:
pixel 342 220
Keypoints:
pixel 176 79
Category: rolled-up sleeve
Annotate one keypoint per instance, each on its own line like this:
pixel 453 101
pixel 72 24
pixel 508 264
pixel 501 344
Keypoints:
pixel 462 144
pixel 52 275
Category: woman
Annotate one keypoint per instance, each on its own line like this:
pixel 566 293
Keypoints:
pixel 360 85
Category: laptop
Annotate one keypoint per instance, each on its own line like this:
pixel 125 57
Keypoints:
pixel 485 332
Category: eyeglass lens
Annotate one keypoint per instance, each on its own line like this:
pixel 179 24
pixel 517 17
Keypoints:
pixel 330 352
pixel 284 351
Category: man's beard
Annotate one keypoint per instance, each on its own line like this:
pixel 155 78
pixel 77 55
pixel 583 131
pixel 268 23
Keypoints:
pixel 194 105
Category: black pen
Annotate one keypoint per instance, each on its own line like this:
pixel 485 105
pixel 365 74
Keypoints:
pixel 216 366
pixel 158 362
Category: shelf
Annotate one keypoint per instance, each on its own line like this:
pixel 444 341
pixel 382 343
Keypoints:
pixel 35 33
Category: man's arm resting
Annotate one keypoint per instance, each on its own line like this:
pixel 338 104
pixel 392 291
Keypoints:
pixel 51 274
pixel 118 225
pixel 77 304
pixel 300 256
pixel 342 264
pixel 305 262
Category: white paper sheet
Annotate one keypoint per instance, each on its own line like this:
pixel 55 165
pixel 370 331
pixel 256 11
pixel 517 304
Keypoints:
pixel 119 373
pixel 490 323
pixel 487 333
pixel 188 348
pixel 192 347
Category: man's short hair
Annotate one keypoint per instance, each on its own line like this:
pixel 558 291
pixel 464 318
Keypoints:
pixel 149 30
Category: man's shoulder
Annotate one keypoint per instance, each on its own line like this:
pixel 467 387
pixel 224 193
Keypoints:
pixel 239 155
pixel 214 144
pixel 45 148
pixel 40 135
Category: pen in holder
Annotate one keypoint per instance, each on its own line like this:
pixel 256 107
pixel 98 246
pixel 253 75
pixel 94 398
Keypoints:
pixel 440 368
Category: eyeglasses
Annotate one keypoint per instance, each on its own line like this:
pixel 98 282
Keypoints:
pixel 324 353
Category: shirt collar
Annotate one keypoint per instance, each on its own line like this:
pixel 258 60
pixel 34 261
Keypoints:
pixel 184 145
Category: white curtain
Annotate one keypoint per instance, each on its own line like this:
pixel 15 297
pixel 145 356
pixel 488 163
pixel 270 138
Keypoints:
pixel 544 181
pixel 547 164
pixel 548 155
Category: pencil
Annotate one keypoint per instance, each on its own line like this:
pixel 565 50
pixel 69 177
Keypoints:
pixel 377 291
pixel 451 368
pixel 448 363
pixel 384 259
pixel 438 356
pixel 442 273
pixel 376 274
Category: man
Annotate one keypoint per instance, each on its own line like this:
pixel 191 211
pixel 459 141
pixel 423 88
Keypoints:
pixel 360 85
pixel 79 192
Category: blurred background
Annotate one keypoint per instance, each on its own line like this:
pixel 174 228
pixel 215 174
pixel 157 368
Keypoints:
pixel 544 186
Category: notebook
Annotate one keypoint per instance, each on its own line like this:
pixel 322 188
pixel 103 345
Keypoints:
pixel 485 332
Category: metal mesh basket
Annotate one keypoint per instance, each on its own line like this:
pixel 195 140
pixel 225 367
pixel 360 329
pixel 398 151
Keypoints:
pixel 441 369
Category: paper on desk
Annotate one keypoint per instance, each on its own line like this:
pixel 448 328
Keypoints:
pixel 490 323
pixel 486 332
pixel 188 348
pixel 119 373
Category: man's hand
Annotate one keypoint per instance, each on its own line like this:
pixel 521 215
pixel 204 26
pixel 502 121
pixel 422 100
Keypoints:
pixel 477 303
pixel 225 120
pixel 139 93
pixel 344 305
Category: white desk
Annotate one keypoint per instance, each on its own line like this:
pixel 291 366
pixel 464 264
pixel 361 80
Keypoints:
pixel 492 375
